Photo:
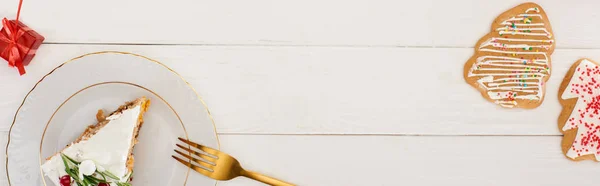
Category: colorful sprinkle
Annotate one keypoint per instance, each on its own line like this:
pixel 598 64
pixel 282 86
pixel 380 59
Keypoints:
pixel 505 55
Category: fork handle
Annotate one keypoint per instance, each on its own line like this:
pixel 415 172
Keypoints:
pixel 264 179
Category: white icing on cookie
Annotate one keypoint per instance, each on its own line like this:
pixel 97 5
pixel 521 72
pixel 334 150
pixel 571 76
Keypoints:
pixel 585 117
pixel 511 68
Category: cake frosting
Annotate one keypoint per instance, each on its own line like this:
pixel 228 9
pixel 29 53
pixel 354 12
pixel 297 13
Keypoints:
pixel 108 149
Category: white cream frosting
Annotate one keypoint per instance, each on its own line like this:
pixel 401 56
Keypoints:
pixel 108 148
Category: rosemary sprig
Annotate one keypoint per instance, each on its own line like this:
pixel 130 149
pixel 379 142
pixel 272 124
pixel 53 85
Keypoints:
pixel 94 179
pixel 71 159
pixel 91 180
pixel 108 174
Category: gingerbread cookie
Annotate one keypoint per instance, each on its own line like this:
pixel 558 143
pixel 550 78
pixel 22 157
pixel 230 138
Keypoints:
pixel 579 121
pixel 511 64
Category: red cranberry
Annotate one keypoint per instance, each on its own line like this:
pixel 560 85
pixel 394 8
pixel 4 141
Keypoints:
pixel 103 184
pixel 65 180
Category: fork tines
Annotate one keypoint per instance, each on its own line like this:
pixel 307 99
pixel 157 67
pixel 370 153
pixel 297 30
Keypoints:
pixel 202 160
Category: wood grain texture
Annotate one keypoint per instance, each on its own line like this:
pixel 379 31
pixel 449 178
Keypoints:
pixel 406 160
pixel 317 90
pixel 278 74
pixel 457 23
pixel 412 160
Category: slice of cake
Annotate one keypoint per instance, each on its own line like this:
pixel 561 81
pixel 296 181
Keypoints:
pixel 103 154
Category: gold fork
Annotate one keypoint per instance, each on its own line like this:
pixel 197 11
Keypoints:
pixel 218 165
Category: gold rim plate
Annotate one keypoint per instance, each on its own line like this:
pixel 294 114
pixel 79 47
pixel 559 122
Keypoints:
pixel 86 79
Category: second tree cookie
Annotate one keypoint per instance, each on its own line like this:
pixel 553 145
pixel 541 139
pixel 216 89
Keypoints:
pixel 579 121
pixel 511 64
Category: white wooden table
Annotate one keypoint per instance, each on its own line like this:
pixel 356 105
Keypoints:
pixel 333 92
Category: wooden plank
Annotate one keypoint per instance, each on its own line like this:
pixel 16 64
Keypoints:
pixel 458 23
pixel 317 90
pixel 408 160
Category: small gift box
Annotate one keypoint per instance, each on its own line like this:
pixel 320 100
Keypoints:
pixel 18 44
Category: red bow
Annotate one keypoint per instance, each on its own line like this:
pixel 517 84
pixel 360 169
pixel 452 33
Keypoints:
pixel 12 34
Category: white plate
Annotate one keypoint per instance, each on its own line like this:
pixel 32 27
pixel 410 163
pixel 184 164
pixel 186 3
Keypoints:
pixel 65 101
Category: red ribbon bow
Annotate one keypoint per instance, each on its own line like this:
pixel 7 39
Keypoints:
pixel 13 33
